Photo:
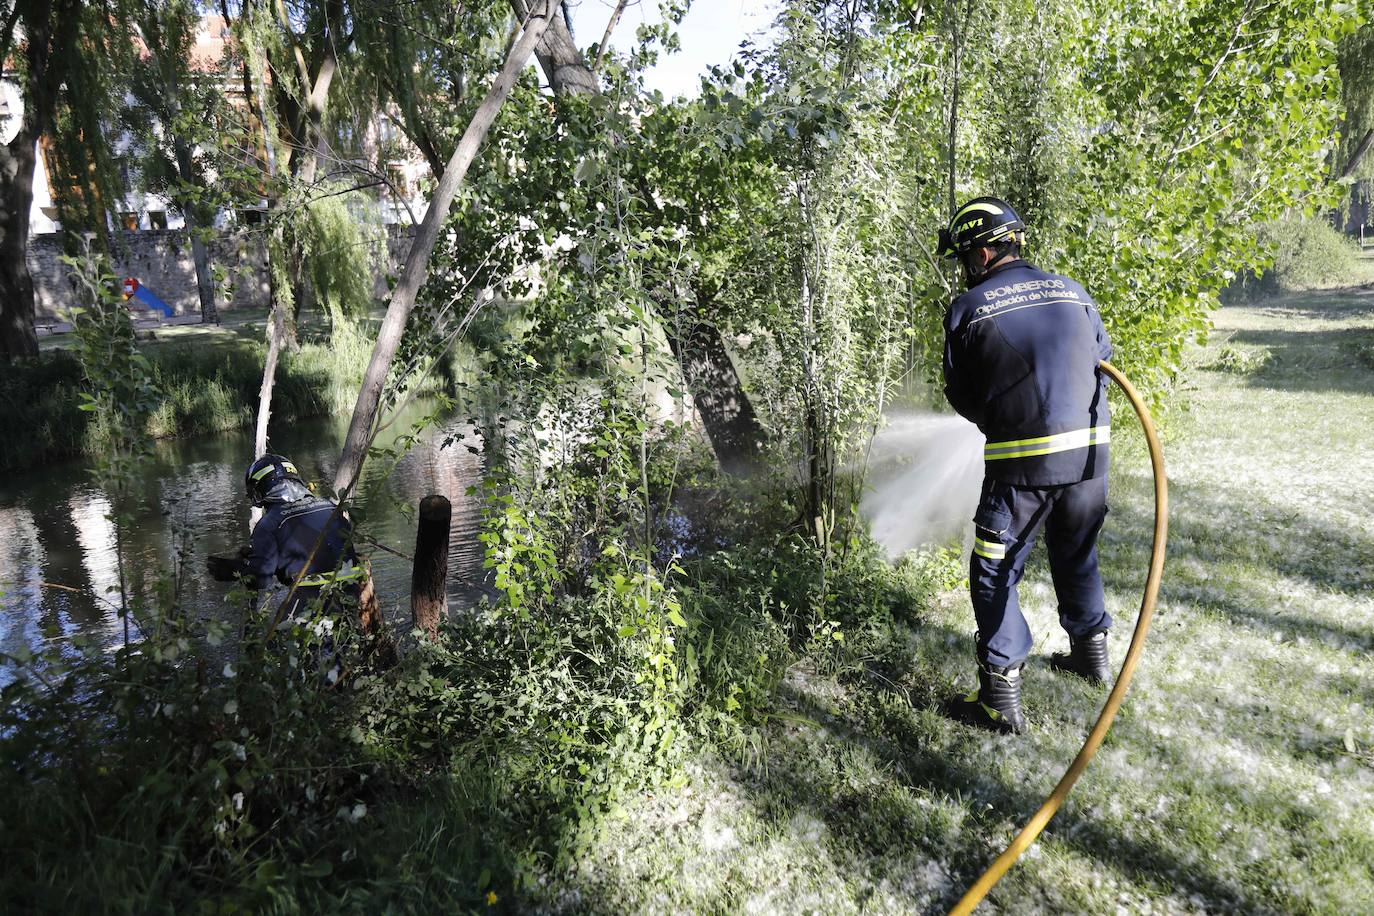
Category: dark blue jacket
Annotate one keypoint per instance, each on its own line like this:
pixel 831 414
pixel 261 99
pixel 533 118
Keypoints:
pixel 1021 354
pixel 291 522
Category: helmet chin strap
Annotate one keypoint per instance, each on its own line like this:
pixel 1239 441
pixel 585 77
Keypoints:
pixel 974 275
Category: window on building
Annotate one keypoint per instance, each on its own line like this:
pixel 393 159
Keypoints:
pixel 157 219
pixel 129 220
pixel 386 129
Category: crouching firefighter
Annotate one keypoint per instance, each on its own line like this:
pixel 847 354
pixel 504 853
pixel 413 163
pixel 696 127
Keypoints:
pixel 292 522
pixel 1021 362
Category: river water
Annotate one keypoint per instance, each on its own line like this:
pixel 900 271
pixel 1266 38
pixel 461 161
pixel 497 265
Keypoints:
pixel 54 529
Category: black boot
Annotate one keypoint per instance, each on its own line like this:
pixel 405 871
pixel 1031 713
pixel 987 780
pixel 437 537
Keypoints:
pixel 996 704
pixel 1087 658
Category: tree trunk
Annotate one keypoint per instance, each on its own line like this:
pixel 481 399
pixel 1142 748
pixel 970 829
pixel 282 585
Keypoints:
pixel 205 280
pixel 276 319
pixel 305 164
pixel 18 339
pixel 559 56
pixel 48 36
pixel 360 429
pixel 1357 155
pixel 205 283
pixel 725 410
pixel 275 332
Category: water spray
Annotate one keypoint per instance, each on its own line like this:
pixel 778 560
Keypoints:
pixel 1041 818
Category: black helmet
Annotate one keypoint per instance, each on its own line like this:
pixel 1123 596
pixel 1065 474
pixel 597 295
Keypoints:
pixel 981 221
pixel 265 473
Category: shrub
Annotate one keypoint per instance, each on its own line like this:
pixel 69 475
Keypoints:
pixel 1307 254
pixel 1239 360
pixel 42 399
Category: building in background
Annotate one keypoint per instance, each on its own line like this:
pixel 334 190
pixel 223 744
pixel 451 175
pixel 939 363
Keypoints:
pixel 377 147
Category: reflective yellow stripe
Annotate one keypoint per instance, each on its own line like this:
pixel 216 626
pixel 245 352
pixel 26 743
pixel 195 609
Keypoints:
pixel 989 549
pixel 1048 445
pixel 286 466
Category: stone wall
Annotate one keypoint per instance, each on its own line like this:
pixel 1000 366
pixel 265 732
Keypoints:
pixel 161 260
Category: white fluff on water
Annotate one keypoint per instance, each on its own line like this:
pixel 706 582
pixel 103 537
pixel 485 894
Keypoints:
pixel 924 476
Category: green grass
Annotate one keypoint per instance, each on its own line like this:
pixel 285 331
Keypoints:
pixel 1228 783
pixel 1239 776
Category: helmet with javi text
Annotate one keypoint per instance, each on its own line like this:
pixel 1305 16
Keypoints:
pixel 982 221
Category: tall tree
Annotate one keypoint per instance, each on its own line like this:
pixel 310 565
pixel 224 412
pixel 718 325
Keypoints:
pixel 365 413
pixel 42 35
pixel 1352 158
pixel 297 53
pixel 290 57
pixel 694 334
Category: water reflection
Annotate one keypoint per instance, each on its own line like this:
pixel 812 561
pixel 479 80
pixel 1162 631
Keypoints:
pixel 188 502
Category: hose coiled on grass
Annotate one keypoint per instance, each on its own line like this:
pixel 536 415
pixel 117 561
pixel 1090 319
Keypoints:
pixel 1041 818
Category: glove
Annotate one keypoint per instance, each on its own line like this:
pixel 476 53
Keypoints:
pixel 223 568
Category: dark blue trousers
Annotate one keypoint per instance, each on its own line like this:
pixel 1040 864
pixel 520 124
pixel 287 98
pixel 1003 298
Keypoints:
pixel 1006 524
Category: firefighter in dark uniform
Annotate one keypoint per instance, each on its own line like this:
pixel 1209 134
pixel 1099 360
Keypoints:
pixel 1021 362
pixel 282 540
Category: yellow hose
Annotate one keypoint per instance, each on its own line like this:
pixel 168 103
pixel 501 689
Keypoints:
pixel 1037 823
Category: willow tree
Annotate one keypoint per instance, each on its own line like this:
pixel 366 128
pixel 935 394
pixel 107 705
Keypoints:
pixel 290 55
pixel 45 45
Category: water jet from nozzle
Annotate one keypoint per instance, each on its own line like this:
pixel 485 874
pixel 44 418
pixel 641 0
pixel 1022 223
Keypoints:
pixel 924 477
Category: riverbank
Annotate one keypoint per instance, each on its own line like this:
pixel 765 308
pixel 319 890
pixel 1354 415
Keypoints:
pixel 208 380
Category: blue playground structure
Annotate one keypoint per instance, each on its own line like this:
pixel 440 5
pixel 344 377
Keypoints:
pixel 135 290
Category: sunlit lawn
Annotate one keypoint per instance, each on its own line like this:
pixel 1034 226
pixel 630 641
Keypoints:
pixel 236 325
pixel 1240 775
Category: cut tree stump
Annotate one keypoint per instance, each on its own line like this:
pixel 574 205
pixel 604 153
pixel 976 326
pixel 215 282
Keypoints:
pixel 429 575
